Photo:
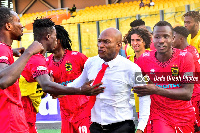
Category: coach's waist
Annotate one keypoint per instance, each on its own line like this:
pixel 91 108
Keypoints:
pixel 112 125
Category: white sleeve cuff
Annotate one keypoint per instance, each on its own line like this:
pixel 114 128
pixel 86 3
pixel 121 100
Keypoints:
pixel 144 111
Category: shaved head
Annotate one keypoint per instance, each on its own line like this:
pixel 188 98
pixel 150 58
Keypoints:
pixel 115 33
pixel 109 44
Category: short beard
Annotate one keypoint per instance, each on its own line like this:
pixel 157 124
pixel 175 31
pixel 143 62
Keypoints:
pixel 192 29
pixel 19 38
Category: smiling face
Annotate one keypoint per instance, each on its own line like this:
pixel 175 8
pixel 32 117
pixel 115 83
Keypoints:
pixel 137 43
pixel 109 44
pixel 163 39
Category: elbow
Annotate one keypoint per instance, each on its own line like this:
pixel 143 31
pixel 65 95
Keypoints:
pixel 45 87
pixel 4 84
pixel 188 97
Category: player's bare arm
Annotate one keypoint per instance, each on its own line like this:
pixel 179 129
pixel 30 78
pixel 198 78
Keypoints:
pixel 183 93
pixel 9 74
pixel 17 52
pixel 55 88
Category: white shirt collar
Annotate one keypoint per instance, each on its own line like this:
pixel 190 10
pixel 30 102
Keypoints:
pixel 112 62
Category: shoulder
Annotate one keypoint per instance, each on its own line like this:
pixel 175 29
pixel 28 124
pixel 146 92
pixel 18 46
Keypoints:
pixel 146 57
pixel 193 51
pixel 37 59
pixel 93 59
pixel 184 55
pixel 147 54
pixel 125 63
pixel 5 48
pixel 38 56
pixel 75 53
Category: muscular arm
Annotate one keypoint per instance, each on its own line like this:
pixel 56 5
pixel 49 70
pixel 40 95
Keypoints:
pixel 9 74
pixel 183 93
pixel 54 88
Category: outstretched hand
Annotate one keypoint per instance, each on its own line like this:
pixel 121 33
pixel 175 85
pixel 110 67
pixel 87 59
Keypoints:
pixel 89 90
pixel 17 52
pixel 145 90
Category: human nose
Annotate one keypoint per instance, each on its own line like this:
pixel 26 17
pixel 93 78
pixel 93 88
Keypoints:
pixel 133 42
pixel 161 40
pixel 100 44
pixel 21 25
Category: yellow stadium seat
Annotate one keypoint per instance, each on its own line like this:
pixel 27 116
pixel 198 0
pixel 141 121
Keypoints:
pixel 64 21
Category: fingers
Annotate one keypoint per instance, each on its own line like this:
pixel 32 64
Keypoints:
pixel 150 82
pixel 143 94
pixel 22 50
pixel 90 82
pixel 97 91
pixel 97 85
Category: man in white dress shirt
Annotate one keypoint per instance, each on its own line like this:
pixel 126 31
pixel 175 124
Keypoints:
pixel 112 112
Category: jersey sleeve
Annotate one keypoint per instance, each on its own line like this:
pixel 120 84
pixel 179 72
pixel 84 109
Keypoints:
pixel 141 63
pixel 5 54
pixel 196 58
pixel 38 67
pixel 188 68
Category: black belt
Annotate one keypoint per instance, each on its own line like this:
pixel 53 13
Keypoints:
pixel 112 125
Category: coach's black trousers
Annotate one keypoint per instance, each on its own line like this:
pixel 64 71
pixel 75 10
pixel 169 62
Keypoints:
pixel 127 126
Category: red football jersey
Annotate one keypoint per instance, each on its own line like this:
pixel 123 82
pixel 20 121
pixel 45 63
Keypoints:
pixel 11 93
pixel 65 71
pixel 196 58
pixel 135 59
pixel 169 75
pixel 35 67
pixel 11 109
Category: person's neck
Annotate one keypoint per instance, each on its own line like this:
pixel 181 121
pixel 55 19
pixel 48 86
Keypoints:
pixel 58 55
pixel 194 33
pixel 138 54
pixel 44 45
pixel 163 57
pixel 5 39
pixel 184 45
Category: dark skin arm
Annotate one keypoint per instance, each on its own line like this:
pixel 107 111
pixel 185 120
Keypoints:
pixel 10 73
pixel 183 93
pixel 54 88
pixel 17 52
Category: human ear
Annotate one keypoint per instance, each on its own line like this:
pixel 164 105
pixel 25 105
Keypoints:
pixel 48 36
pixel 8 26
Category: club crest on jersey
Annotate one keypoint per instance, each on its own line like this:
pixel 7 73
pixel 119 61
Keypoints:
pixel 174 70
pixel 68 66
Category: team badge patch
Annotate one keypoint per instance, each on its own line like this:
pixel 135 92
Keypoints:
pixel 68 66
pixel 174 71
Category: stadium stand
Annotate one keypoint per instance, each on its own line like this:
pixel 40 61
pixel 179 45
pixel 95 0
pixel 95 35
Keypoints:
pixel 106 15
